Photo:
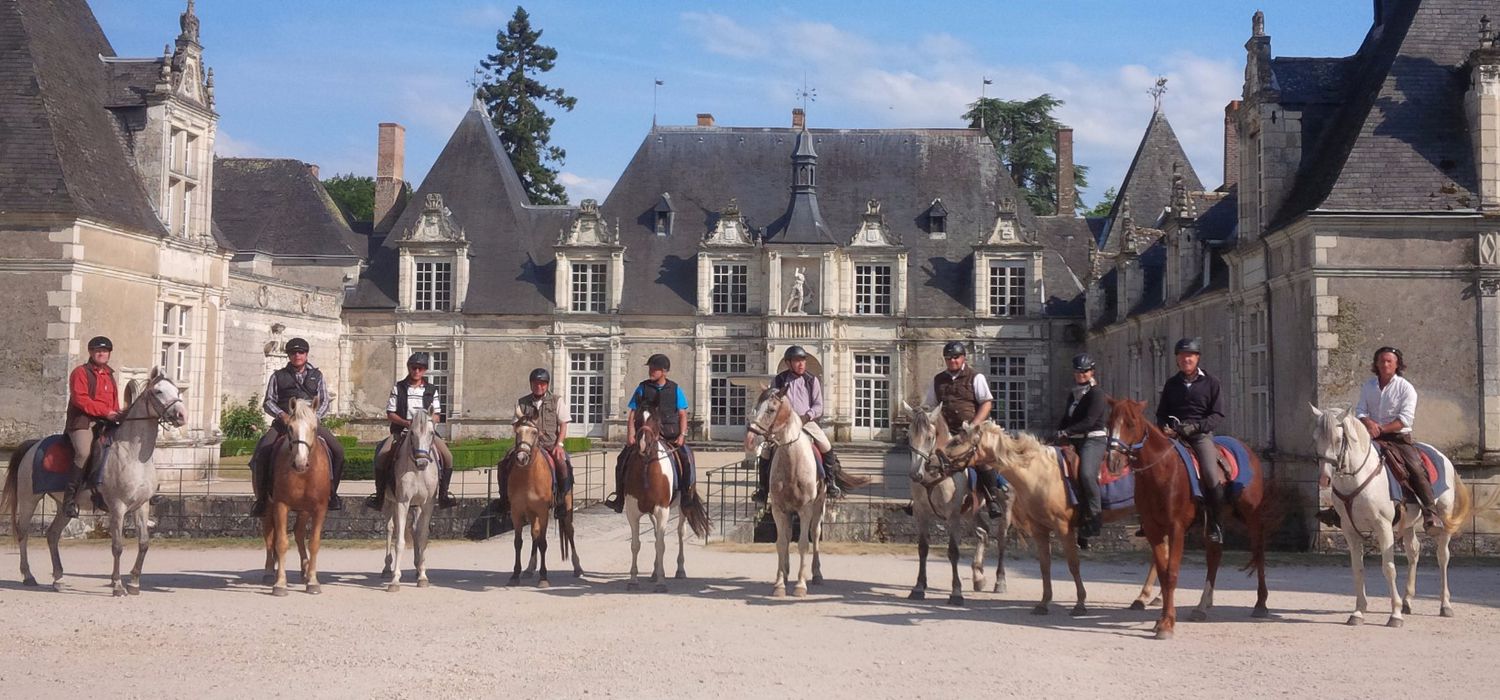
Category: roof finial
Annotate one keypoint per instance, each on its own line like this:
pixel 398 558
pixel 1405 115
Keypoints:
pixel 1258 24
pixel 807 94
pixel 1156 93
pixel 189 23
pixel 1486 35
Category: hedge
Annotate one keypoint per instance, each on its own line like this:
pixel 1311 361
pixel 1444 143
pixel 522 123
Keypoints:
pixel 359 462
pixel 237 447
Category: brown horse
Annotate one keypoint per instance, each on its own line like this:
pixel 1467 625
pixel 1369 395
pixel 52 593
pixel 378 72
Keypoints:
pixel 1163 497
pixel 1039 501
pixel 530 483
pixel 302 482
pixel 650 489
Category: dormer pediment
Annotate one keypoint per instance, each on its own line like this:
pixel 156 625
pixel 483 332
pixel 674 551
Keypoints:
pixel 730 229
pixel 873 232
pixel 589 229
pixel 436 224
pixel 1007 230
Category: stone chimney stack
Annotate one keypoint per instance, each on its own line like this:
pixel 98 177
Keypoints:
pixel 705 119
pixel 1482 107
pixel 1067 192
pixel 1231 144
pixel 799 118
pixel 390 167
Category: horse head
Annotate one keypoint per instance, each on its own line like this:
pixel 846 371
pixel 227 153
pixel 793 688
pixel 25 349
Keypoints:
pixel 163 398
pixel 925 438
pixel 770 414
pixel 649 435
pixel 1334 436
pixel 419 438
pixel 527 435
pixel 1128 430
pixel 976 444
pixel 302 430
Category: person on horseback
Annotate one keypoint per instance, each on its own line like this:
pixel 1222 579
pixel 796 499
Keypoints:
pixel 966 400
pixel 552 421
pixel 664 399
pixel 1190 408
pixel 805 393
pixel 1387 406
pixel 93 402
pixel 1083 427
pixel 411 394
pixel 301 380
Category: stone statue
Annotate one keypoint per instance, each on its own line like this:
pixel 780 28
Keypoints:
pixel 798 297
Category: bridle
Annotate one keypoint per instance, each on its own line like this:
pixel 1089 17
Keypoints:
pixel 1338 469
pixel 764 431
pixel 1132 451
pixel 152 403
pixel 526 447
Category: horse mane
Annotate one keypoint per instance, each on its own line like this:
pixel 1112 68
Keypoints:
pixel 1017 452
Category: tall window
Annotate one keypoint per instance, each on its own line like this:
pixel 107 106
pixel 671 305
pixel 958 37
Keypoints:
pixel 586 388
pixel 434 290
pixel 1008 384
pixel 1007 288
pixel 189 193
pixel 872 290
pixel 177 342
pixel 872 391
pixel 726 401
pixel 731 290
pixel 440 375
pixel 589 287
pixel 1257 377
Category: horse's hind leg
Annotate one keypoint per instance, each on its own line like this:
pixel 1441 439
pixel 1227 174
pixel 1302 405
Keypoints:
pixel 802 564
pixel 399 514
pixel 1215 552
pixel 1257 526
pixel 919 591
pixel 1441 542
pixel 300 530
pixel 976 566
pixel 681 544
pixel 142 543
pixel 419 546
pixel 1387 542
pixel 539 547
pixel 816 541
pixel 1070 548
pixel 659 518
pixel 24 508
pixel 1044 560
pixel 1002 539
pixel 116 545
pixel 268 530
pixel 314 545
pixel 389 571
pixel 956 594
pixel 1413 555
pixel 54 540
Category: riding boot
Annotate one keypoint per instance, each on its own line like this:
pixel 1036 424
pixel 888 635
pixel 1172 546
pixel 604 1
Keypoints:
pixel 445 477
pixel 1329 517
pixel 258 472
pixel 616 500
pixel 1423 491
pixel 560 496
pixel 832 471
pixel 989 481
pixel 1213 503
pixel 70 494
pixel 376 501
pixel 762 481
pixel 504 501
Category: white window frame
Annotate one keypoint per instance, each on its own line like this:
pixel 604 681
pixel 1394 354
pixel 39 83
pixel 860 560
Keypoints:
pixel 440 374
pixel 588 286
pixel 730 290
pixel 727 402
pixel 1257 376
pixel 871 298
pixel 872 394
pixel 587 392
pixel 1011 389
pixel 176 334
pixel 432 285
pixel 1008 285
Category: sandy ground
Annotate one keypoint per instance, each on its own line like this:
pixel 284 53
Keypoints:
pixel 205 627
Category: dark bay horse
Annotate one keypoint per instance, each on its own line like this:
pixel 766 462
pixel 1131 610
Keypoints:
pixel 302 481
pixel 530 482
pixel 1163 497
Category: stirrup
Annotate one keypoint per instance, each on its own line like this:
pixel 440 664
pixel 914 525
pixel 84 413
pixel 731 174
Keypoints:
pixel 615 502
pixel 258 509
pixel 445 500
pixel 1214 533
pixel 833 490
pixel 761 496
pixel 374 501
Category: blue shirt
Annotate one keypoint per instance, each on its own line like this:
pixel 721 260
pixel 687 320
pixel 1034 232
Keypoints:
pixel 682 402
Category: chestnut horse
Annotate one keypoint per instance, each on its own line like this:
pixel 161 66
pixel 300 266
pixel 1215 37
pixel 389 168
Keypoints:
pixel 301 483
pixel 1163 497
pixel 531 483
pixel 651 489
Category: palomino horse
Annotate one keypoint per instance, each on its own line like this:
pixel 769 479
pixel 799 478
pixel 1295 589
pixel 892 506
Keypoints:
pixel 127 480
pixel 1164 499
pixel 530 485
pixel 651 488
pixel 936 495
pixel 1039 502
pixel 301 483
pixel 1366 511
pixel 414 484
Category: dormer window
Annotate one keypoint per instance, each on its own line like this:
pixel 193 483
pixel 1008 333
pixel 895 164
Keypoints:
pixel 937 220
pixel 663 212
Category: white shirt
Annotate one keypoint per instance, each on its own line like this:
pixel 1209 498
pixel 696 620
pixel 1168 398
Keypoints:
pixel 414 399
pixel 1398 400
pixel 981 390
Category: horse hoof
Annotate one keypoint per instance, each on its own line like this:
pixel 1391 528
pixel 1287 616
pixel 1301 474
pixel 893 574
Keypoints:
pixel 578 573
pixel 1079 610
pixel 679 575
pixel 800 591
pixel 1164 634
pixel 544 583
pixel 393 587
pixel 1137 605
pixel 632 586
pixel 279 591
pixel 1040 609
pixel 1405 608
pixel 778 592
pixel 916 595
pixel 1000 587
pixel 1395 623
pixel 59 587
pixel 119 593
pixel 1354 621
pixel 659 588
pixel 132 590
pixel 1447 611
pixel 314 589
pixel 956 600
pixel 1198 615
pixel 1260 611
pixel 1155 602
pixel 422 583
pixel 28 581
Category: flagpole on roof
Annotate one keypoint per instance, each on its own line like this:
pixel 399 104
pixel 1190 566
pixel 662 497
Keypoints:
pixel 984 82
pixel 653 101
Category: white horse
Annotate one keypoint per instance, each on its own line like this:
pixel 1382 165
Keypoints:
pixel 943 499
pixel 414 484
pixel 795 488
pixel 128 480
pixel 1362 498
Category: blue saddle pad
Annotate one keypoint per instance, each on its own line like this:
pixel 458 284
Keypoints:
pixel 1237 449
pixel 1439 487
pixel 52 461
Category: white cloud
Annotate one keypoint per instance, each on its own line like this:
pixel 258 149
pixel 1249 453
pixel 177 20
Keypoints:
pixel 226 146
pixel 722 35
pixel 581 188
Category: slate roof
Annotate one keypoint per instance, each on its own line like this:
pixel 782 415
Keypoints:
pixel 1066 240
pixel 1218 216
pixel 60 152
pixel 1399 140
pixel 131 80
pixel 1148 180
pixel 275 206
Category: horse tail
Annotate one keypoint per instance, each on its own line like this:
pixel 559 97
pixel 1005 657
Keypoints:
pixel 1463 505
pixel 1272 509
pixel 9 497
pixel 851 481
pixel 696 513
pixel 565 533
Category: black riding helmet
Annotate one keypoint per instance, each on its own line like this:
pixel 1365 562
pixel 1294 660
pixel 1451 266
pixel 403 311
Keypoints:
pixel 1082 362
pixel 659 361
pixel 541 374
pixel 419 359
pixel 796 352
pixel 1192 345
pixel 954 349
pixel 100 342
pixel 296 345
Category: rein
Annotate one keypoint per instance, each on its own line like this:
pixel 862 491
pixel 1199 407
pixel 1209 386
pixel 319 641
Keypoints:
pixel 161 411
pixel 1132 452
pixel 1348 499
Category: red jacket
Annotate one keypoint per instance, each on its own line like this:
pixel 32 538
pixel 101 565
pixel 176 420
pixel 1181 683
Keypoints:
pixel 84 405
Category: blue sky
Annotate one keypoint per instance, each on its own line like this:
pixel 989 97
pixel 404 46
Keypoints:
pixel 311 80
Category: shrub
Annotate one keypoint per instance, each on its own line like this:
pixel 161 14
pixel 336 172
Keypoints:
pixel 242 422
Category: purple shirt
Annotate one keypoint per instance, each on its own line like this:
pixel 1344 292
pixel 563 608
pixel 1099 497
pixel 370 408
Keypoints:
pixel 808 405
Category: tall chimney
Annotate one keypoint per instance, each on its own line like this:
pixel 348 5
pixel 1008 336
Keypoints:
pixel 390 166
pixel 1231 144
pixel 1067 193
pixel 705 119
pixel 799 118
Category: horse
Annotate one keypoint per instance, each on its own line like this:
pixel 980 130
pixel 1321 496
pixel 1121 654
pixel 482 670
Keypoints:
pixel 530 484
pixel 1038 502
pixel 651 488
pixel 942 496
pixel 126 480
pixel 301 482
pixel 1163 497
pixel 1366 511
pixel 414 484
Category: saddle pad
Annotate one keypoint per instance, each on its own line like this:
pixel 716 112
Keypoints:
pixel 1233 455
pixel 1062 468
pixel 1430 458
pixel 1191 464
pixel 51 462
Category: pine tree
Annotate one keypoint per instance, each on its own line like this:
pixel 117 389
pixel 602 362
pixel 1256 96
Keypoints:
pixel 1025 135
pixel 511 90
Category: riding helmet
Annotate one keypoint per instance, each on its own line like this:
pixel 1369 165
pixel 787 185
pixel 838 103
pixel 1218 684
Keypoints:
pixel 100 342
pixel 1082 362
pixel 419 359
pixel 954 349
pixel 541 374
pixel 659 361
pixel 1192 345
pixel 296 345
pixel 794 353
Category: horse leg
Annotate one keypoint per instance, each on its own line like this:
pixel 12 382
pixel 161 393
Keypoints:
pixel 807 525
pixel 24 508
pixel 1356 546
pixel 299 529
pixel 402 510
pixel 54 541
pixel 116 545
pixel 1147 589
pixel 517 521
pixel 1387 540
pixel 1413 555
pixel 1070 548
pixel 279 587
pixel 389 572
pixel 419 548
pixel 314 544
pixel 1441 544
pixel 956 593
pixel 659 517
pixel 268 530
pixel 634 516
pixel 1169 577
pixel 681 543
pixel 539 547
pixel 816 541
pixel 1043 542
pixel 1215 554
pixel 981 538
pixel 1002 539
pixel 1257 527
pixel 783 550
pixel 142 543
pixel 919 591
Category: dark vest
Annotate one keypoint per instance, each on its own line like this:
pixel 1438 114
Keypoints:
pixel 547 420
pixel 956 394
pixel 662 401
pixel 428 392
pixel 287 386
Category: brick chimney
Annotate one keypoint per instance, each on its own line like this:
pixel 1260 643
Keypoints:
pixel 1231 144
pixel 799 118
pixel 705 119
pixel 390 166
pixel 1067 193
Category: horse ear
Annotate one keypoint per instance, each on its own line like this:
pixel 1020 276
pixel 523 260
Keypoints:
pixel 907 407
pixel 519 413
pixel 1317 412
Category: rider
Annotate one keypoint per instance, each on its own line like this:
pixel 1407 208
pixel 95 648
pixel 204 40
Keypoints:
pixel 552 422
pixel 966 400
pixel 1387 406
pixel 299 379
pixel 1083 427
pixel 805 393
pixel 1190 408
pixel 663 396
pixel 93 399
pixel 412 392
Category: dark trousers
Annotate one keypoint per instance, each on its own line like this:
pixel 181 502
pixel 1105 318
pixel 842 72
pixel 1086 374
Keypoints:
pixel 1404 455
pixel 1090 455
pixel 262 475
pixel 1202 445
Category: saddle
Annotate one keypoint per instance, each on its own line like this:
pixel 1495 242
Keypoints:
pixel 53 461
pixel 1233 463
pixel 1401 490
pixel 771 454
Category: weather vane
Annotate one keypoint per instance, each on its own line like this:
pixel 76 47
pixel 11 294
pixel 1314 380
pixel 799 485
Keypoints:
pixel 807 94
pixel 1157 91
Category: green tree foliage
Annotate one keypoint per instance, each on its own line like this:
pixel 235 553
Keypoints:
pixel 1101 209
pixel 1025 135
pixel 355 193
pixel 242 421
pixel 510 88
